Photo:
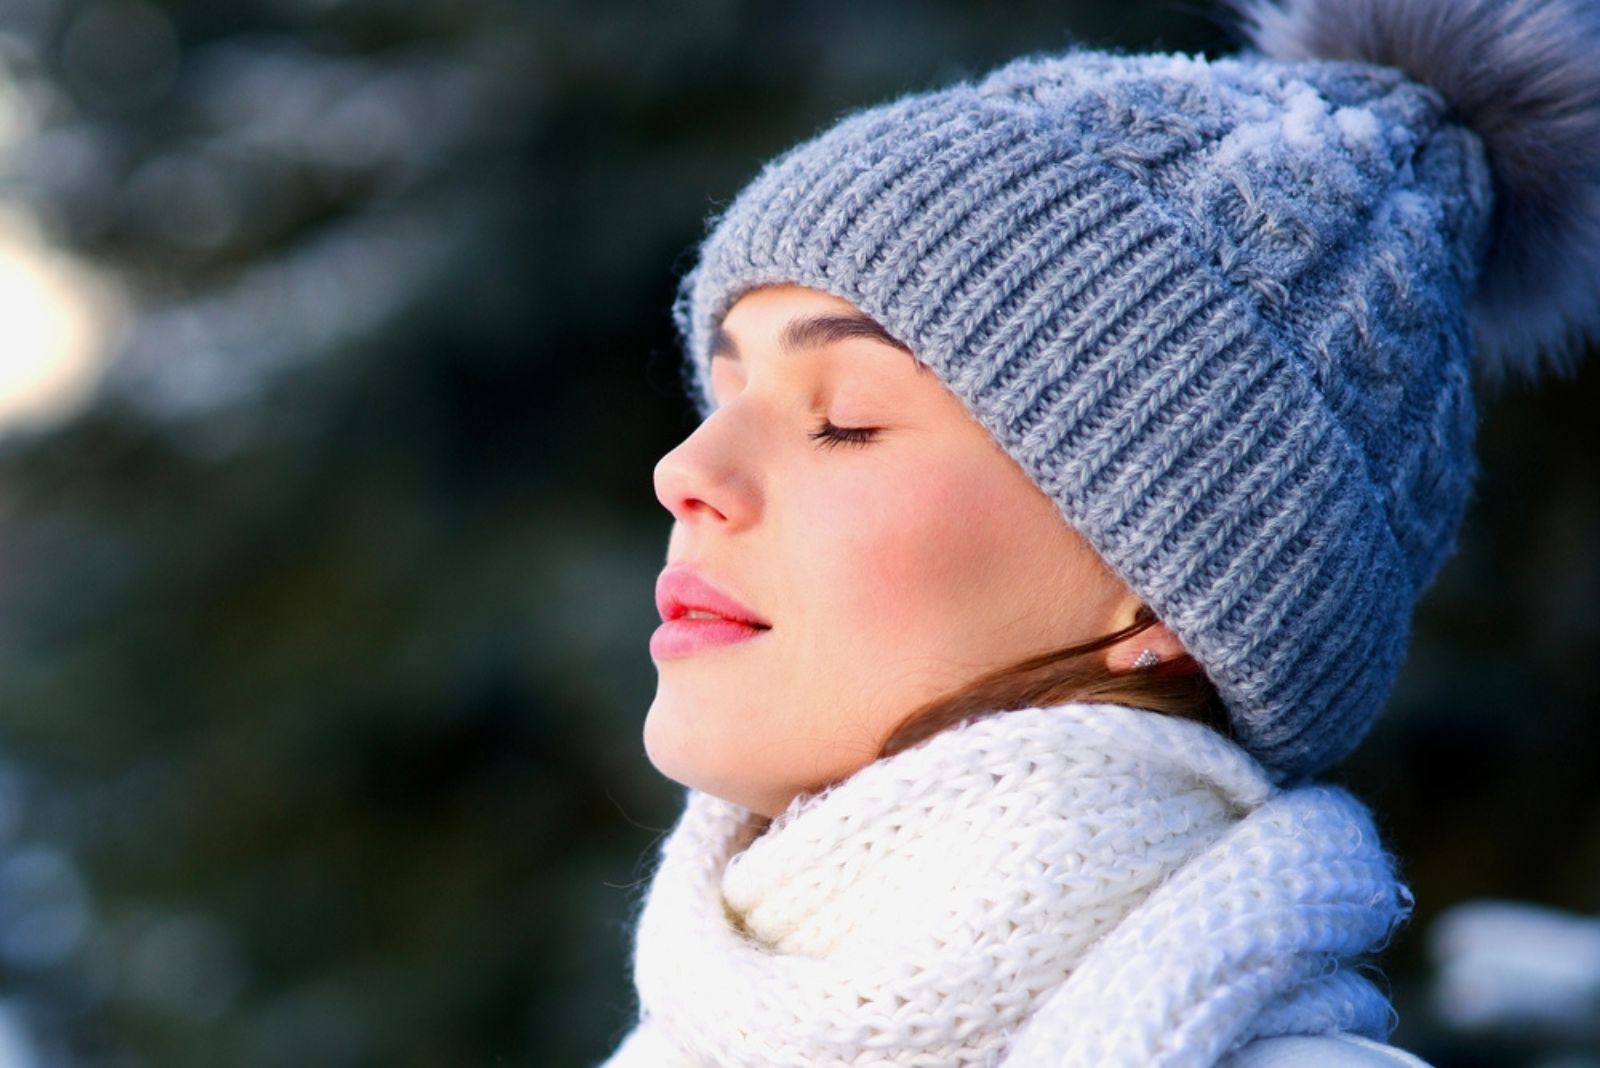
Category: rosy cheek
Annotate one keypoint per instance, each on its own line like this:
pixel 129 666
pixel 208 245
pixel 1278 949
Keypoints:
pixel 915 551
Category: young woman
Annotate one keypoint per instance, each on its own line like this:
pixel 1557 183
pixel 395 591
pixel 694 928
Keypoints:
pixel 1075 445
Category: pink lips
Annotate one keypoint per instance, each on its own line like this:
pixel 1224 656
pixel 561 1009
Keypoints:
pixel 681 590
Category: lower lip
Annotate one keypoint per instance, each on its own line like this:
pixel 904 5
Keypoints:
pixel 680 637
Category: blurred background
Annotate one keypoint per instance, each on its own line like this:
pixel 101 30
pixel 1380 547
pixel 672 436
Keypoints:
pixel 336 358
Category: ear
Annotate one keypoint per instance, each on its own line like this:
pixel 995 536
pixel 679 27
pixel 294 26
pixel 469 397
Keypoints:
pixel 1158 640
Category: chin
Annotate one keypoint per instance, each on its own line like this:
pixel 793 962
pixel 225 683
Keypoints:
pixel 678 739
pixel 676 744
pixel 662 738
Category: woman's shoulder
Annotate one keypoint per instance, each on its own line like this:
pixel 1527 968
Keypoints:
pixel 1321 1051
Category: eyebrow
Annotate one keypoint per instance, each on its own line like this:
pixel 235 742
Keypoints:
pixel 805 332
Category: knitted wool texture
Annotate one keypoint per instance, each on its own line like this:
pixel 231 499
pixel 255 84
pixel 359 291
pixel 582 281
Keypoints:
pixel 1213 309
pixel 1084 884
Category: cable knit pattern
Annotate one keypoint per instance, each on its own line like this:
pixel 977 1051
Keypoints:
pixel 1077 885
pixel 1214 309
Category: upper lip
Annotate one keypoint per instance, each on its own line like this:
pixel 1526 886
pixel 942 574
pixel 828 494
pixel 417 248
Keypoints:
pixel 681 590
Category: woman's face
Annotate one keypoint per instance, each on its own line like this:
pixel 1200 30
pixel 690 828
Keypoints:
pixel 890 568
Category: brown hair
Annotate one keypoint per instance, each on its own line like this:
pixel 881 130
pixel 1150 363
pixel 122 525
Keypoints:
pixel 1177 688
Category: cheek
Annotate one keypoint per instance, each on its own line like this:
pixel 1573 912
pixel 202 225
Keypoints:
pixel 916 553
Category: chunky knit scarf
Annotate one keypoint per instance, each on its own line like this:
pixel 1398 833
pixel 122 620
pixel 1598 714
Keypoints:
pixel 1077 885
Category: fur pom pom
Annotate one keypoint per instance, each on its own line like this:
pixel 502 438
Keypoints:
pixel 1524 75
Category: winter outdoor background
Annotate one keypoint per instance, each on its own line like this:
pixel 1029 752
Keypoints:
pixel 336 357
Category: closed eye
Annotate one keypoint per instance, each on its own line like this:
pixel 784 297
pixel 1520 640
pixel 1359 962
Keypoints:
pixel 831 436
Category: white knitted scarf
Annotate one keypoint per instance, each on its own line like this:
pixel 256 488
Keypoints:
pixel 1078 885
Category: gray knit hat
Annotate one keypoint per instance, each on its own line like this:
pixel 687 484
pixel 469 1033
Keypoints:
pixel 1224 312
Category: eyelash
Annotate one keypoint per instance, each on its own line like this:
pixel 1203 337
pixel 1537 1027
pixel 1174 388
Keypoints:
pixel 831 436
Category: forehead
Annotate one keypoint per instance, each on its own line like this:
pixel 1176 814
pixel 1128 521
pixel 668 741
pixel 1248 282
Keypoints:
pixel 797 320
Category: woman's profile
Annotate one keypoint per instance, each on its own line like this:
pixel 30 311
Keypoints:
pixel 1076 442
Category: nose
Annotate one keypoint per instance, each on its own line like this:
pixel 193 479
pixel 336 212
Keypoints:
pixel 703 479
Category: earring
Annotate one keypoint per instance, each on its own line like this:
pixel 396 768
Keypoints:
pixel 1147 658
